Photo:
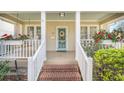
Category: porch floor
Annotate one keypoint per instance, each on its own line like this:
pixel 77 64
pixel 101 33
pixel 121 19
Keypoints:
pixel 54 57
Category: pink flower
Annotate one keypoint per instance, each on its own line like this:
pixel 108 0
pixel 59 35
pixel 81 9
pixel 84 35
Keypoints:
pixel 4 35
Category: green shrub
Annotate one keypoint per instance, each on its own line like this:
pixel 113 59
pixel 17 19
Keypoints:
pixel 109 64
pixel 4 69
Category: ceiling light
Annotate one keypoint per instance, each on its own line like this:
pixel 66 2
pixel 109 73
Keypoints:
pixel 62 14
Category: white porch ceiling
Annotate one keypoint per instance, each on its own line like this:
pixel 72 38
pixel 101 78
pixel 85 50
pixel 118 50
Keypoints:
pixel 35 15
pixel 27 15
pixel 95 15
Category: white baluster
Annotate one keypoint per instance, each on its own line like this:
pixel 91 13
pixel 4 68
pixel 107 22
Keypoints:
pixel 35 45
pixel 32 47
pixel 29 48
pixel 5 50
pixel 26 48
pixel 20 51
pixel 23 47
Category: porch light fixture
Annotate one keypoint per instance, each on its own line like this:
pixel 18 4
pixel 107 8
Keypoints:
pixel 61 14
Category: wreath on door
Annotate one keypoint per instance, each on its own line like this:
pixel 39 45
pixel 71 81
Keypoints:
pixel 62 34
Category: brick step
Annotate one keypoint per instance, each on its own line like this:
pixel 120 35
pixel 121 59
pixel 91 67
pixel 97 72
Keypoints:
pixel 60 76
pixel 63 67
pixel 66 72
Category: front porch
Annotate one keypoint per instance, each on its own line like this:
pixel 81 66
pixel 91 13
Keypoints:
pixel 69 35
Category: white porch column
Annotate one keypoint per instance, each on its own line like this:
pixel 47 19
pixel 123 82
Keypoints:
pixel 77 32
pixel 43 30
pixel 43 26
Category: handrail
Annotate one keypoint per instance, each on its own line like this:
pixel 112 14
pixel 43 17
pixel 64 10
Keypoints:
pixel 37 52
pixel 35 62
pixel 85 64
pixel 86 58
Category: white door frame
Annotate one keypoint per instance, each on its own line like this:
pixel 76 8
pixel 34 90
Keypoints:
pixel 66 27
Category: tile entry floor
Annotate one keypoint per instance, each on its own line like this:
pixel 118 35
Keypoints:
pixel 54 57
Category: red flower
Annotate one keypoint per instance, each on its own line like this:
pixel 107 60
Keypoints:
pixel 109 36
pixel 99 33
pixel 97 40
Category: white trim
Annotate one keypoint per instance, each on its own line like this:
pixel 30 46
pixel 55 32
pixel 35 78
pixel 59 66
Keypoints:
pixel 72 21
pixel 60 21
pixel 66 27
pixel 7 20
pixel 63 21
pixel 15 17
pixel 32 20
pixel 89 25
pixel 89 21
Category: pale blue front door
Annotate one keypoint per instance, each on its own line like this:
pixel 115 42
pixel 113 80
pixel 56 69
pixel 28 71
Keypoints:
pixel 61 39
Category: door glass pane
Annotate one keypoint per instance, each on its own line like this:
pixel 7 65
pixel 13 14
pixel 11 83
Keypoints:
pixel 93 29
pixel 38 28
pixel 30 31
pixel 84 32
pixel 61 38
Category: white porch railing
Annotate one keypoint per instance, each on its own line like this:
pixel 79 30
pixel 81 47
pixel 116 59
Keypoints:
pixel 85 64
pixel 87 42
pixel 35 63
pixel 18 48
pixel 90 43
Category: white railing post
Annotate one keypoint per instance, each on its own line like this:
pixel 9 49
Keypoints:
pixel 30 69
pixel 89 73
pixel 77 31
